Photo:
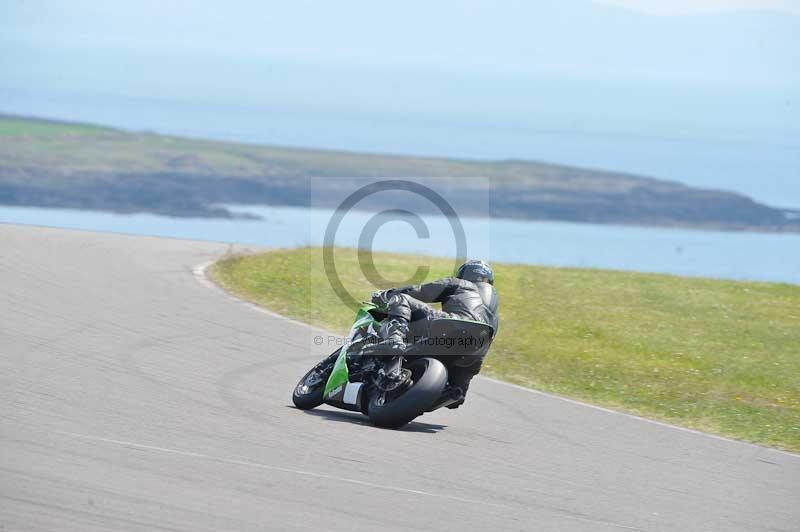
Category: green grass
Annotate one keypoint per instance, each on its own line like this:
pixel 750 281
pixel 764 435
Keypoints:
pixel 28 127
pixel 719 356
pixel 59 146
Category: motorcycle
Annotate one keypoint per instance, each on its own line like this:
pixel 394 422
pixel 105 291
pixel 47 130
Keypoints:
pixel 392 390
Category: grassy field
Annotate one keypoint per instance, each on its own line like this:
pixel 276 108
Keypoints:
pixel 719 356
pixel 27 127
pixel 85 147
pixel 71 165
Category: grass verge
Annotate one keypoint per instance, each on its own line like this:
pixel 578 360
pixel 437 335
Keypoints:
pixel 719 356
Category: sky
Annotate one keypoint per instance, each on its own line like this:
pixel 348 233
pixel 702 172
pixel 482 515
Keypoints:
pixel 632 85
pixel 577 38
pixel 710 59
pixel 688 7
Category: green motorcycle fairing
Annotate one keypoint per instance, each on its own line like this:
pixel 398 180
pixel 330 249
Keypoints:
pixel 339 377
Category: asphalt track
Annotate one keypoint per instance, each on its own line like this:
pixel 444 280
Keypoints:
pixel 135 395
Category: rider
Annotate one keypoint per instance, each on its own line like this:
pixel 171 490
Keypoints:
pixel 469 295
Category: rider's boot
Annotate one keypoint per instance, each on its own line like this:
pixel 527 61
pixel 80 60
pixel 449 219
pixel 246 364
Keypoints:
pixel 394 330
pixel 459 379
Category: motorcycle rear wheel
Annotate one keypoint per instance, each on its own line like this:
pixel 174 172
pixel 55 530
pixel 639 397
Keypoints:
pixel 429 380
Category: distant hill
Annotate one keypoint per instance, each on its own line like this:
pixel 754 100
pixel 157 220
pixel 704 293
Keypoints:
pixel 55 164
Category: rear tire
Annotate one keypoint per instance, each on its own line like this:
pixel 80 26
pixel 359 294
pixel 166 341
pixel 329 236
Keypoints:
pixel 311 396
pixel 429 383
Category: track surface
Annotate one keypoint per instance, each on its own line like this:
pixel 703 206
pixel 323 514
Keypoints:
pixel 135 397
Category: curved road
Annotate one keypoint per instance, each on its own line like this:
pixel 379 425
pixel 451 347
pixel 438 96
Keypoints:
pixel 137 396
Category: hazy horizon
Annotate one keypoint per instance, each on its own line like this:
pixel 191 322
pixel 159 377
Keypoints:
pixel 708 98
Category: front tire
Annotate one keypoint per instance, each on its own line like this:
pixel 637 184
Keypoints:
pixel 430 378
pixel 309 391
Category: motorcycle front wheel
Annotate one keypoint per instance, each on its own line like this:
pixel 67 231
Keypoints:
pixel 308 392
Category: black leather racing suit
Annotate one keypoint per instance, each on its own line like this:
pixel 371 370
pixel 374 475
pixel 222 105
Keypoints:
pixel 411 317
